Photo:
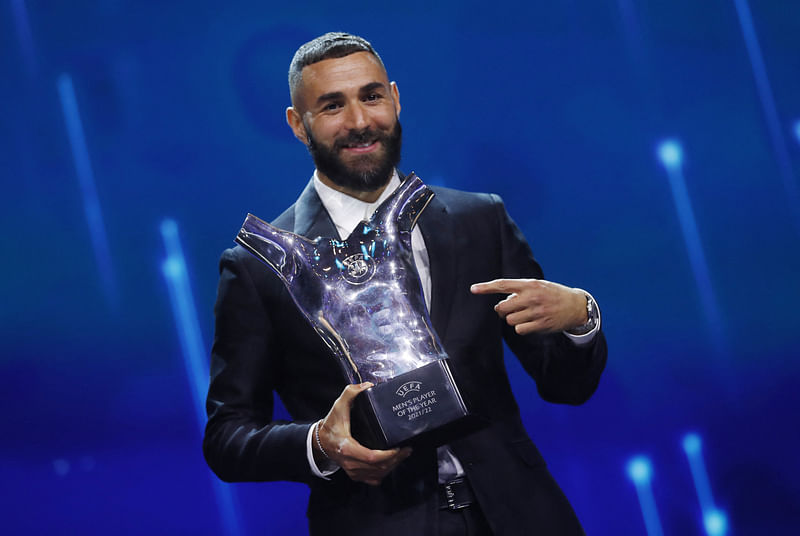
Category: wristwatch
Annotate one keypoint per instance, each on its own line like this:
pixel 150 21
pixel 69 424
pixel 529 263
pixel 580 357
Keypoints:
pixel 593 315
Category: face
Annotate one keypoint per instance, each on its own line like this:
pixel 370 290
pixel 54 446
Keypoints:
pixel 346 113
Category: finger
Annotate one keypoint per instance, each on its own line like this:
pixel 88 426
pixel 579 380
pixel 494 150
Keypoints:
pixel 361 470
pixel 496 286
pixel 373 474
pixel 536 326
pixel 526 328
pixel 523 316
pixel 358 453
pixel 509 305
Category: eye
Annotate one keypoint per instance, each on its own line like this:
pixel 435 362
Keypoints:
pixel 373 97
pixel 331 106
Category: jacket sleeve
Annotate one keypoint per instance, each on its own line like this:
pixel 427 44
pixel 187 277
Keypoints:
pixel 564 372
pixel 242 442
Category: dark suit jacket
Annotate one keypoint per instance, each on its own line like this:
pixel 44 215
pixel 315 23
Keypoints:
pixel 262 345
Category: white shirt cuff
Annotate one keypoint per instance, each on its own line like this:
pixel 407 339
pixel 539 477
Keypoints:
pixel 316 471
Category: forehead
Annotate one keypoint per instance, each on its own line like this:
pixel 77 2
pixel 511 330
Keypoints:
pixel 341 75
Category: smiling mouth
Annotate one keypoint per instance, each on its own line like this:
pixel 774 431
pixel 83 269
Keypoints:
pixel 364 147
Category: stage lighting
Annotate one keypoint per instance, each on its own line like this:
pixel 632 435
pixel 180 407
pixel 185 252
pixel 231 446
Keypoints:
pixel 91 201
pixel 691 444
pixel 716 523
pixel 24 34
pixel 714 520
pixel 176 276
pixel 775 126
pixel 640 470
pixel 670 154
pixel 172 268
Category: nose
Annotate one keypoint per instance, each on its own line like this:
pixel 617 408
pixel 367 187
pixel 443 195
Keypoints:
pixel 357 118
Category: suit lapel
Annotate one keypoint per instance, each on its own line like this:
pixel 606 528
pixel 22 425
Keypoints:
pixel 439 235
pixel 310 217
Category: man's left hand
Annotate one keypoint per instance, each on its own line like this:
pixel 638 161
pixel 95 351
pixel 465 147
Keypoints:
pixel 536 305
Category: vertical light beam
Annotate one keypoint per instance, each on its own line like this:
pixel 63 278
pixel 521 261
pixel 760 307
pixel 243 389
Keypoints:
pixel 797 131
pixel 91 202
pixel 767 98
pixel 24 34
pixel 632 30
pixel 176 276
pixel 174 270
pixel 670 153
pixel 715 521
pixel 640 471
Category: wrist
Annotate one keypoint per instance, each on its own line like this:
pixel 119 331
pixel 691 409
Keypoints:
pixel 320 455
pixel 589 315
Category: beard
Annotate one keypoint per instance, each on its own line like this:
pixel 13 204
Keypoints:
pixel 367 172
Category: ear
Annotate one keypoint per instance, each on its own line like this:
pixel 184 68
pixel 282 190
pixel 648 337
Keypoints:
pixel 295 122
pixel 396 97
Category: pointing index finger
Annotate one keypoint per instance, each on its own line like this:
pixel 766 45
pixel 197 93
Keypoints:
pixel 496 286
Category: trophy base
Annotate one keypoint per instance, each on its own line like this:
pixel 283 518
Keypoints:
pixel 420 407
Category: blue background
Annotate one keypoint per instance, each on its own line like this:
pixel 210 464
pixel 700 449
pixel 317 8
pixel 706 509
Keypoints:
pixel 557 106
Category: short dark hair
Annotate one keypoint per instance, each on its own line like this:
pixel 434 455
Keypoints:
pixel 325 47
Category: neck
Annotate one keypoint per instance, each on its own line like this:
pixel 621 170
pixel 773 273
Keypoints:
pixel 361 195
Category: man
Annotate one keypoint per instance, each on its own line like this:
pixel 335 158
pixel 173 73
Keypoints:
pixel 467 250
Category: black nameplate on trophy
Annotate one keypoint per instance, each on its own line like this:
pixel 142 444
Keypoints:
pixel 420 407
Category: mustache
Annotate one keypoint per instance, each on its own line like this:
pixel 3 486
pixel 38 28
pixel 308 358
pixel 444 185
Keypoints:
pixel 366 135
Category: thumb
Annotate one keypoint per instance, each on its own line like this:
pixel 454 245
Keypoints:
pixel 338 419
pixel 335 427
pixel 351 392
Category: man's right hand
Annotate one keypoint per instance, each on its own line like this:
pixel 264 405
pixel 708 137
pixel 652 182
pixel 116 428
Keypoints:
pixel 360 463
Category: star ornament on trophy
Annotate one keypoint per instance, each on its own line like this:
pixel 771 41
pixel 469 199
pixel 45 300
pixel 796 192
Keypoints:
pixel 363 297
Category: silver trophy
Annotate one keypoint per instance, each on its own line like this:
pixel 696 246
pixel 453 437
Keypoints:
pixel 363 297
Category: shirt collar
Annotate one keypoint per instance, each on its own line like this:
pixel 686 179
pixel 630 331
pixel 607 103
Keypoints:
pixel 346 212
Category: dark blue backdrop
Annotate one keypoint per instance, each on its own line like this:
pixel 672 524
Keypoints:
pixel 119 115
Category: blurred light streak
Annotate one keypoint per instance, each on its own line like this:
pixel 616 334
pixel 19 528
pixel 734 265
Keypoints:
pixel 174 270
pixel 633 33
pixel 640 471
pixel 715 523
pixel 714 520
pixel 770 109
pixel 797 131
pixel 176 276
pixel 670 153
pixel 91 201
pixel 647 92
pixel 628 14
pixel 22 22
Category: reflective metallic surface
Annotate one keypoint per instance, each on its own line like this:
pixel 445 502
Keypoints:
pixel 362 294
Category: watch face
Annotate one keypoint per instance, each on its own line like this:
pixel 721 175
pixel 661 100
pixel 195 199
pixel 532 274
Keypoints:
pixel 592 315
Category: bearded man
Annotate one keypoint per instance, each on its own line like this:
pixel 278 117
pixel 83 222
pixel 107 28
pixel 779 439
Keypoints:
pixel 466 250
